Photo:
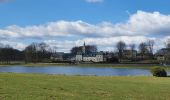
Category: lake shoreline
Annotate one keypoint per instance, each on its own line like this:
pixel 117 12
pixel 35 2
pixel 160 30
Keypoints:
pixel 83 65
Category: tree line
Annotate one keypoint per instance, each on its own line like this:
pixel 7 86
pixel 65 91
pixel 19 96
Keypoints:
pixel 35 52
pixel 144 48
pixel 41 52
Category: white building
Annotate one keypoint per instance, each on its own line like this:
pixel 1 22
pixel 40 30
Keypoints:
pixel 92 57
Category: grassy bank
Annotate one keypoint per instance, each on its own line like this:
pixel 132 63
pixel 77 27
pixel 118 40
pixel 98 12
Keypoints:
pixel 51 87
pixel 83 65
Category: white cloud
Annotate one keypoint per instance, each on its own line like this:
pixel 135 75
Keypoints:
pixel 104 44
pixel 138 28
pixel 61 46
pixel 15 45
pixel 139 24
pixel 94 1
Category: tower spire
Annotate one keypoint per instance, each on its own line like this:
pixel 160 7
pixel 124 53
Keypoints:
pixel 84 48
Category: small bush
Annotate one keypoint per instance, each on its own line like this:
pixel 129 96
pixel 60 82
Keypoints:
pixel 159 72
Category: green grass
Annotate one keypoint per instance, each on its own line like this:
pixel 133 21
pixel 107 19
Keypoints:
pixel 55 87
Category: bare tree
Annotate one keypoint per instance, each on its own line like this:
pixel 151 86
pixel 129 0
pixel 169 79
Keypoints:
pixel 167 43
pixel 43 53
pixel 37 52
pixel 132 48
pixel 89 49
pixel 121 46
pixel 150 45
pixel 8 54
pixel 75 50
pixel 31 53
pixel 143 49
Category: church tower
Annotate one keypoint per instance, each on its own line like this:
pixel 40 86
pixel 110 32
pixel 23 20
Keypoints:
pixel 84 48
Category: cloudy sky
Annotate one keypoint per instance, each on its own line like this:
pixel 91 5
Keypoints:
pixel 68 23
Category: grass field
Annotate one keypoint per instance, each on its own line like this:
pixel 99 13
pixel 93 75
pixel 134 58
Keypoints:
pixel 55 87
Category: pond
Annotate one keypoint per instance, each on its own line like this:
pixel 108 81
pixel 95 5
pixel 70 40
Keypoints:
pixel 74 70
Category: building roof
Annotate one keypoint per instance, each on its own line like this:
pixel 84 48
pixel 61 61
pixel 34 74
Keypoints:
pixel 92 54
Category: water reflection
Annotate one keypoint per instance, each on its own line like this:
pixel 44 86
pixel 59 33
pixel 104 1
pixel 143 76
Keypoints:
pixel 78 70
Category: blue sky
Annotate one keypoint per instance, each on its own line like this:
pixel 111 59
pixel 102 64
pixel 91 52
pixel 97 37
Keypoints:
pixel 66 23
pixel 33 12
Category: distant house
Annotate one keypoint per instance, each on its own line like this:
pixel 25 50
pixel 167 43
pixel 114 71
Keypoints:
pixel 163 55
pixel 129 54
pixel 61 56
pixel 160 58
pixel 89 57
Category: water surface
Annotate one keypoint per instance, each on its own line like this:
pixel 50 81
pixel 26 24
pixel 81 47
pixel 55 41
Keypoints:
pixel 74 70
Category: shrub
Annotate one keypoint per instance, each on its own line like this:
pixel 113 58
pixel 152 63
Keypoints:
pixel 158 72
pixel 113 60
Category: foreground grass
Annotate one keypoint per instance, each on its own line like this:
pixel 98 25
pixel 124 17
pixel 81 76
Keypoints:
pixel 51 87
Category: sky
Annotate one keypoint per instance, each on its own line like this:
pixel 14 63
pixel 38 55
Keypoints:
pixel 67 23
